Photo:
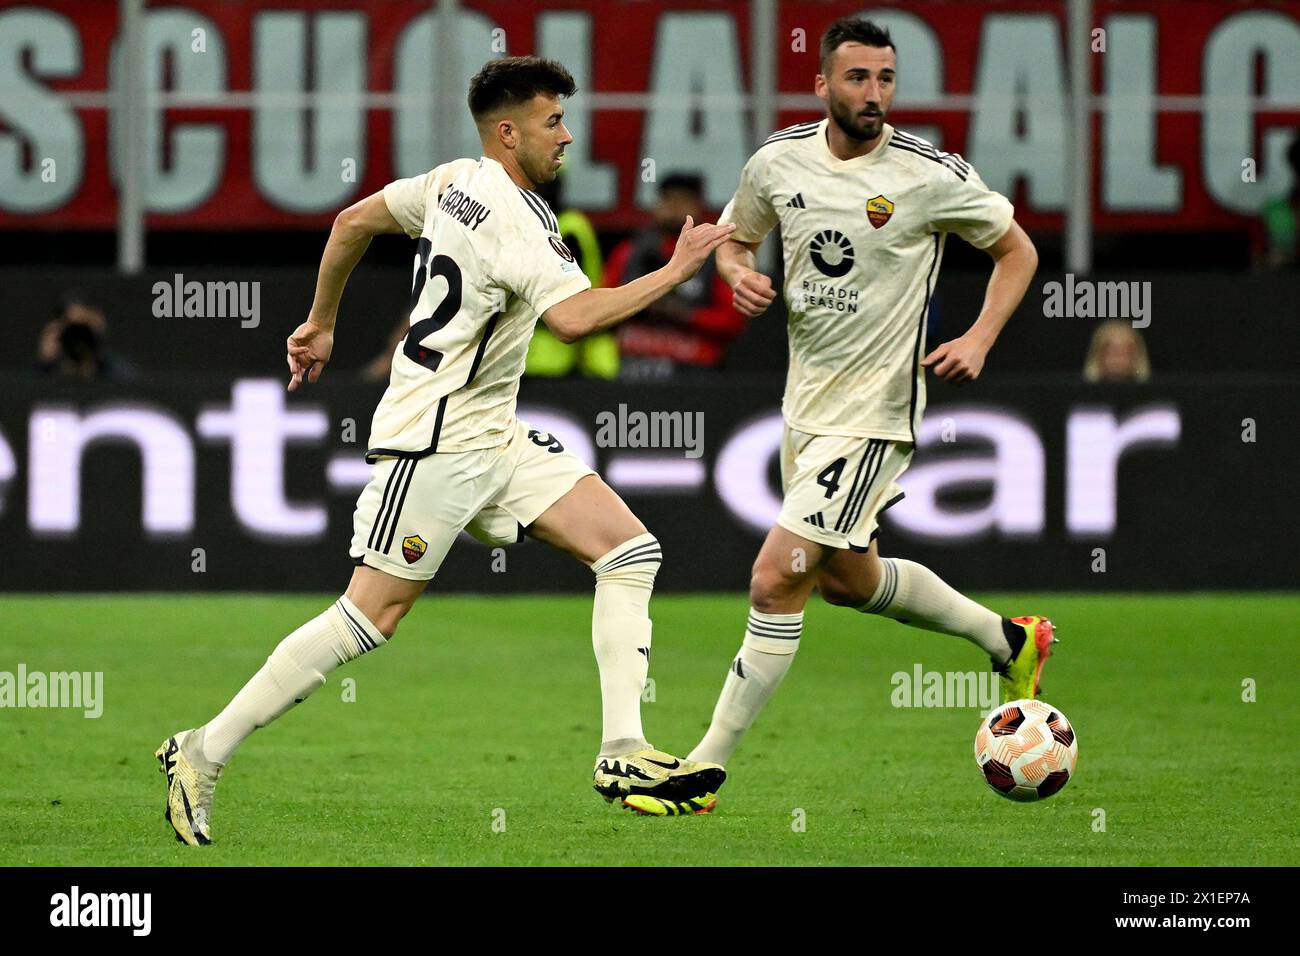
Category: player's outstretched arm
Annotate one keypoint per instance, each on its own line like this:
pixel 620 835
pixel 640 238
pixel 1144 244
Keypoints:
pixel 751 291
pixel 310 345
pixel 1014 261
pixel 593 310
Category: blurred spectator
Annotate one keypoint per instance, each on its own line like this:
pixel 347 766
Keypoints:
pixel 1116 354
pixel 74 344
pixel 690 327
pixel 595 356
pixel 1281 214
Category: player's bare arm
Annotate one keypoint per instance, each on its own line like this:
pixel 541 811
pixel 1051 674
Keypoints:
pixel 751 291
pixel 594 310
pixel 1014 262
pixel 310 344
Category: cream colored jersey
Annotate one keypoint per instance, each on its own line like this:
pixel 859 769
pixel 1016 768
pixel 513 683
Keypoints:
pixel 863 239
pixel 489 261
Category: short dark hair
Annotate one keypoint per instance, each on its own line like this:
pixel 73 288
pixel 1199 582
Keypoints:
pixel 691 182
pixel 512 80
pixel 853 30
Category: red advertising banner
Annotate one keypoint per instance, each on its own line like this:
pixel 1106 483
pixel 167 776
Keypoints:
pixel 1198 102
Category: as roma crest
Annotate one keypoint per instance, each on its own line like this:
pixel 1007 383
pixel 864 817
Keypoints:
pixel 879 209
pixel 413 548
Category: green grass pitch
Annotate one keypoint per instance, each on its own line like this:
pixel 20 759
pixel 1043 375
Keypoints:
pixel 486 705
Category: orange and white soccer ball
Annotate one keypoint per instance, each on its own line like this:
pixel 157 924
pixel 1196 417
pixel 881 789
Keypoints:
pixel 1026 750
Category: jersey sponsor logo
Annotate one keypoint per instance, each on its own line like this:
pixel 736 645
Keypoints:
pixel 413 548
pixel 467 211
pixel 796 202
pixel 832 253
pixel 879 209
pixel 825 295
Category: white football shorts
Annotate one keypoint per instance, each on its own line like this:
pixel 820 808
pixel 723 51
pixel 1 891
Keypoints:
pixel 836 487
pixel 412 509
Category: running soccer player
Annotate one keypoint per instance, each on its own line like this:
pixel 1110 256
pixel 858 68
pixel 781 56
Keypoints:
pixel 447 450
pixel 864 210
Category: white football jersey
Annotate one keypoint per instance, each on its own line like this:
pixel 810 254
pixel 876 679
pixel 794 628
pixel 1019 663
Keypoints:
pixel 489 261
pixel 863 239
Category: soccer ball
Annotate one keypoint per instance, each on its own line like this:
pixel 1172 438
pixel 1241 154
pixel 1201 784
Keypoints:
pixel 1026 750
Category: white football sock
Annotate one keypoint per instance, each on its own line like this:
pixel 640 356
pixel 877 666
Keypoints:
pixel 766 654
pixel 911 593
pixel 620 636
pixel 294 670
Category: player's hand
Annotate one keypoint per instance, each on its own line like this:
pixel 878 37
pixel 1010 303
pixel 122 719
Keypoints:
pixel 959 361
pixel 309 349
pixel 752 294
pixel 694 245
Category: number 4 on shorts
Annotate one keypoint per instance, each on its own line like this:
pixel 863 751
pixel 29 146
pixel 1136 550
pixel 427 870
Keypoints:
pixel 829 477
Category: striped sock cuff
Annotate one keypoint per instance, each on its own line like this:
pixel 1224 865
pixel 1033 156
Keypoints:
pixel 643 549
pixel 886 590
pixel 359 628
pixel 773 633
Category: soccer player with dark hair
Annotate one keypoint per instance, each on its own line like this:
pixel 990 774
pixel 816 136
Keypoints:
pixel 864 210
pixel 447 449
